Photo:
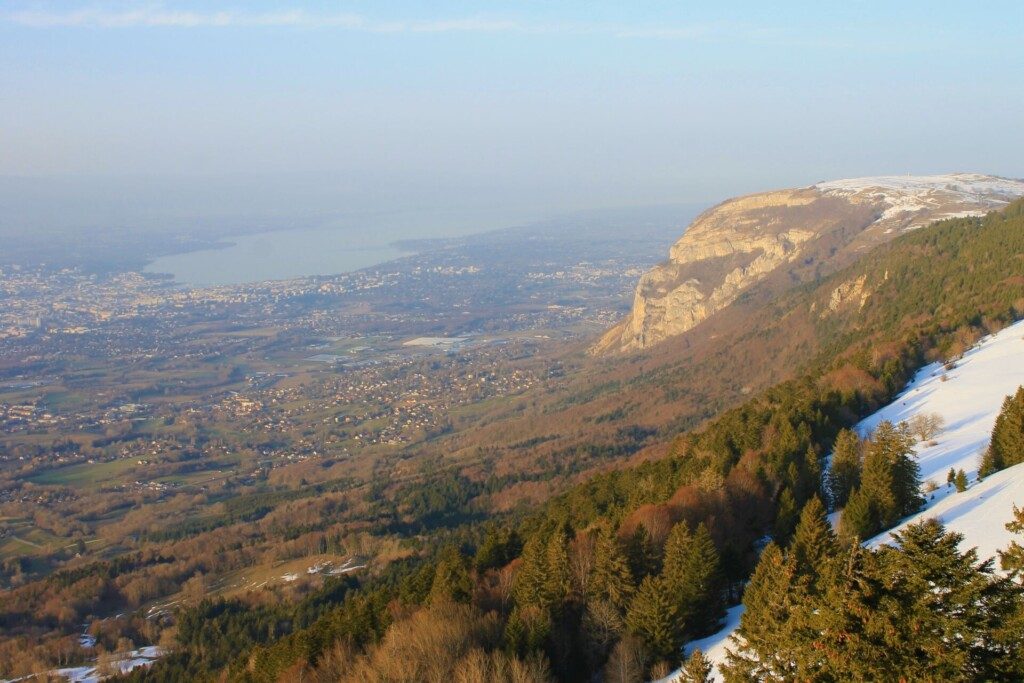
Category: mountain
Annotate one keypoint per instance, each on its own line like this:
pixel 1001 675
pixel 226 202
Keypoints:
pixel 785 237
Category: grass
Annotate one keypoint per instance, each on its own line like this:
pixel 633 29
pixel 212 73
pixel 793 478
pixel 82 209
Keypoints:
pixel 84 474
pixel 29 540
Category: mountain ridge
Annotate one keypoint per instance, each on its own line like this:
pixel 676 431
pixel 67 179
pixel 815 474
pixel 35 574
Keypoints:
pixel 803 232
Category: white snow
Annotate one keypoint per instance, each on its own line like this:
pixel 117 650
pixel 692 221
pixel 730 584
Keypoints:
pixel 127 662
pixel 980 513
pixel 913 194
pixel 712 646
pixel 969 401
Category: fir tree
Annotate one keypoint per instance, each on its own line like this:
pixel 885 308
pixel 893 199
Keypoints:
pixel 786 516
pixel 698 669
pixel 692 574
pixel 653 616
pixel 960 481
pixel 1007 445
pixel 859 519
pixel 813 545
pixel 950 606
pixel 765 627
pixel 642 553
pixel 529 587
pixel 1012 559
pixel 451 578
pixel 849 623
pixel 810 476
pixel 610 577
pixel 557 581
pixel 890 482
pixel 844 472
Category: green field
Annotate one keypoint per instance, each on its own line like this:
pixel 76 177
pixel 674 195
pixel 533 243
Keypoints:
pixel 85 474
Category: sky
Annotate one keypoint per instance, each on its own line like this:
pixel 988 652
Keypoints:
pixel 154 111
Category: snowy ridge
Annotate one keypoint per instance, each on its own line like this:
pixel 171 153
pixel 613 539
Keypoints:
pixel 939 193
pixel 969 400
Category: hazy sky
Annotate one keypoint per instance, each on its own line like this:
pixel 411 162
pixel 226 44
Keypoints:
pixel 535 104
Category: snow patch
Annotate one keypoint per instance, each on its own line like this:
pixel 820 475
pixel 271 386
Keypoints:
pixel 915 194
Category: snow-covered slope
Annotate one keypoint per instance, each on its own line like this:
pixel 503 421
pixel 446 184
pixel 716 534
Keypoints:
pixel 948 196
pixel 968 399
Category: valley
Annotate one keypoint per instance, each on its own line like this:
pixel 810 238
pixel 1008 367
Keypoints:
pixel 294 457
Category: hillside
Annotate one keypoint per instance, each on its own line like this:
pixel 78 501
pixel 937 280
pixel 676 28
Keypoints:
pixel 797 367
pixel 789 236
pixel 968 397
pixel 627 566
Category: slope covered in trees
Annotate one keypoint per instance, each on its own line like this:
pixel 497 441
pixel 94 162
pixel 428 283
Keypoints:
pixel 614 575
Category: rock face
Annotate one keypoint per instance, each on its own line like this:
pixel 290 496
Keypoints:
pixel 803 232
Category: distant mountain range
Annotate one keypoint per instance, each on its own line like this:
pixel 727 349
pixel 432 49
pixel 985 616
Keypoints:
pixel 786 237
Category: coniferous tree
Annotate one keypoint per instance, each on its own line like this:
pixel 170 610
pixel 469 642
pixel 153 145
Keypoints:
pixel 960 481
pixel 653 617
pixel 529 587
pixel 610 576
pixel 814 544
pixel 859 519
pixel 1007 446
pixel 692 573
pixel 451 578
pixel 765 627
pixel 890 483
pixel 786 516
pixel 1012 559
pixel 642 553
pixel 844 471
pixel 557 580
pixel 698 669
pixel 950 606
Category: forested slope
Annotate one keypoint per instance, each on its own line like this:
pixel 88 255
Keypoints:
pixel 618 572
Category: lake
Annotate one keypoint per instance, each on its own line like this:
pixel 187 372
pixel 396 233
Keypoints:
pixel 340 248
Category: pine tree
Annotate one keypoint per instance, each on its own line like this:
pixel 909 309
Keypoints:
pixel 451 578
pixel 951 476
pixel 859 519
pixel 529 587
pixel 1012 559
pixel 786 516
pixel 813 545
pixel 698 669
pixel 642 553
pixel 1007 445
pixel 692 574
pixel 557 581
pixel 844 471
pixel 653 616
pixel 950 605
pixel 960 481
pixel 758 649
pixel 610 577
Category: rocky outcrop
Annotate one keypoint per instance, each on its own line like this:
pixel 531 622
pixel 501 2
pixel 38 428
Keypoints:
pixel 747 240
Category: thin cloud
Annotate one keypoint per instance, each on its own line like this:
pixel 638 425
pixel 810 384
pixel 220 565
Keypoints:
pixel 157 17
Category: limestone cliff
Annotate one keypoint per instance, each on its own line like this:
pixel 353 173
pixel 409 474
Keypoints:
pixel 803 232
